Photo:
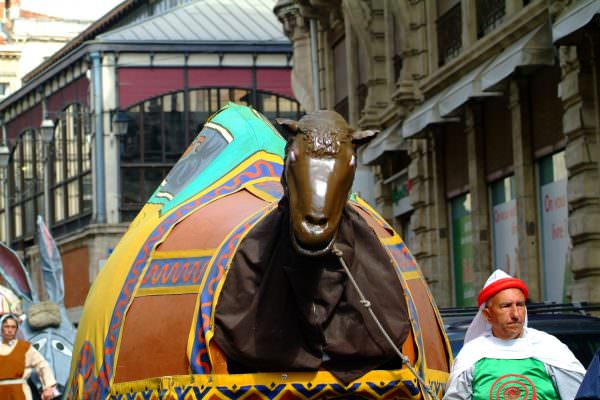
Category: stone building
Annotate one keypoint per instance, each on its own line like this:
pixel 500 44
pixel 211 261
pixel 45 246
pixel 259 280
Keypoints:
pixel 148 64
pixel 27 38
pixel 489 153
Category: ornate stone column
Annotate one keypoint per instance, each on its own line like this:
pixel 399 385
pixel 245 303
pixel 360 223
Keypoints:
pixel 479 193
pixel 579 91
pixel 525 184
pixel 291 15
pixel 429 220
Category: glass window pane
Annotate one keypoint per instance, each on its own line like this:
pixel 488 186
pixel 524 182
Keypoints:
pixel 71 142
pixel 174 127
pixel 288 108
pixel 59 203
pixel 18 221
pixel 131 185
pixel 224 97
pixel 87 192
pixel 130 144
pixel 241 96
pixel 152 130
pixel 268 105
pixel 39 161
pixel 152 178
pixel 28 166
pixel 73 193
pixel 29 219
pixel 59 153
pixel 199 110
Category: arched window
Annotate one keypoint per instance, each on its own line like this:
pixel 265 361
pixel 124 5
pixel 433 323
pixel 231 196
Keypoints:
pixel 26 182
pixel 161 128
pixel 70 176
pixel 71 172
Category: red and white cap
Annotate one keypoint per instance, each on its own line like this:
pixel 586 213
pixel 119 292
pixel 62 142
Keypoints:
pixel 497 282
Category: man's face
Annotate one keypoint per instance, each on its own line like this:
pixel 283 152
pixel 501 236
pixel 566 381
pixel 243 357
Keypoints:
pixel 9 329
pixel 506 312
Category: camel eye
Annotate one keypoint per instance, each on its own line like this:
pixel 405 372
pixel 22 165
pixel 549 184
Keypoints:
pixel 353 161
pixel 292 156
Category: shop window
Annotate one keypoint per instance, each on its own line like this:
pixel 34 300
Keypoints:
pixel 462 251
pixel 555 241
pixel 505 242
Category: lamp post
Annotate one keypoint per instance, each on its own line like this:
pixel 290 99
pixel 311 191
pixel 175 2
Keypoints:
pixel 120 123
pixel 47 132
pixel 4 159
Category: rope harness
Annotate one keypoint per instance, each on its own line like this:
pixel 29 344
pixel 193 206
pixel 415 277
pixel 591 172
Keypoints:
pixel 367 304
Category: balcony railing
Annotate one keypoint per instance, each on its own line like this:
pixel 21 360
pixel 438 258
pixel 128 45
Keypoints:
pixel 449 34
pixel 489 15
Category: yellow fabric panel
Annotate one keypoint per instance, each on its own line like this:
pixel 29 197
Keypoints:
pixel 208 384
pixel 103 294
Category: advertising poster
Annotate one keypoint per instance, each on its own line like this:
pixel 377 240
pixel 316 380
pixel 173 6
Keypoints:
pixel 506 245
pixel 462 252
pixel 555 238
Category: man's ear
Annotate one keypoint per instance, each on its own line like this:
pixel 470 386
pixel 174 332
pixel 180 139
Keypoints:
pixel 486 314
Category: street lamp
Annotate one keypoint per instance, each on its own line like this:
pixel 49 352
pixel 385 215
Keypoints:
pixel 4 159
pixel 120 123
pixel 47 132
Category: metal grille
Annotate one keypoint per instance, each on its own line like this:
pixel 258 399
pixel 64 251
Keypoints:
pixel 449 33
pixel 489 15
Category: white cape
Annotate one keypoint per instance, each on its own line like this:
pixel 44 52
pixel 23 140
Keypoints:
pixel 534 344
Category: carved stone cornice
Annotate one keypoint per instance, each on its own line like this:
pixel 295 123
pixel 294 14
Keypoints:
pixel 490 45
pixel 292 15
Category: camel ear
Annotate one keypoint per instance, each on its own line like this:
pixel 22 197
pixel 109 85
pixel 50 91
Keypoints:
pixel 363 136
pixel 286 127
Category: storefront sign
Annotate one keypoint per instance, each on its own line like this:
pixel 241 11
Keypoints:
pixel 555 238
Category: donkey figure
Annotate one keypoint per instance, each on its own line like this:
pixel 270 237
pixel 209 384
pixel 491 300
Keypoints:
pixel 46 323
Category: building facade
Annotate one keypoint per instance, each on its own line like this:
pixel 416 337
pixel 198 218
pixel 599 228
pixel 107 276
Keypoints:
pixel 488 153
pixel 161 68
pixel 27 38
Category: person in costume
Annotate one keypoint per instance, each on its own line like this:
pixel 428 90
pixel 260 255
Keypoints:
pixel 17 360
pixel 502 358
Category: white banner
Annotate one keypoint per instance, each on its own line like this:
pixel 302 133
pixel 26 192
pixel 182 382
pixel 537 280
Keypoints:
pixel 555 238
pixel 506 245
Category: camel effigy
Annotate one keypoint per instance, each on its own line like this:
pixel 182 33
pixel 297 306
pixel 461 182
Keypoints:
pixel 253 273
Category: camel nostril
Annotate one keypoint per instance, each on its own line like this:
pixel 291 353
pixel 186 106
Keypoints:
pixel 316 220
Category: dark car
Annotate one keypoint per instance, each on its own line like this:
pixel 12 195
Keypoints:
pixel 571 323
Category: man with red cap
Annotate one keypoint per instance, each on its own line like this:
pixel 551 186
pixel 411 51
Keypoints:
pixel 504 359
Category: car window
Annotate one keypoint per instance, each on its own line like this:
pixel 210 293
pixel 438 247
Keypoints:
pixel 582 345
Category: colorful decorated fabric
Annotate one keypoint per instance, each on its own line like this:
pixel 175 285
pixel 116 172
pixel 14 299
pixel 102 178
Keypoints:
pixel 245 162
pixel 230 136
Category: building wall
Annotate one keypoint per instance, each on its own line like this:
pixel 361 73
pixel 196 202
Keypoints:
pixel 508 178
